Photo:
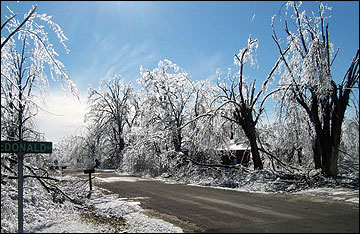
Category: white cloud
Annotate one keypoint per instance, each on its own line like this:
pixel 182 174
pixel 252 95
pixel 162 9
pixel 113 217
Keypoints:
pixel 139 50
pixel 252 19
pixel 64 115
pixel 206 68
pixel 120 59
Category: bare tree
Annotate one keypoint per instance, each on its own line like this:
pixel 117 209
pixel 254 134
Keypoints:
pixel 307 81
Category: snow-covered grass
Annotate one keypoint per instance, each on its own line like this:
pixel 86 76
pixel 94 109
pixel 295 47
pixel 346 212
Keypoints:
pixel 97 212
pixel 110 206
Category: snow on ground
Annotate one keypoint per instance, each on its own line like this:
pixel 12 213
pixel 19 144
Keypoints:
pixel 127 215
pixel 341 194
pixel 102 212
pixel 123 178
pixel 267 182
pixel 112 206
pixel 67 223
pixel 99 212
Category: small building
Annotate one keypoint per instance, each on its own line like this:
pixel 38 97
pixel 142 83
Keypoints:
pixel 235 153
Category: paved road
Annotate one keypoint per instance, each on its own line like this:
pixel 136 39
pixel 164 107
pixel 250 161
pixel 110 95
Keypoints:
pixel 201 209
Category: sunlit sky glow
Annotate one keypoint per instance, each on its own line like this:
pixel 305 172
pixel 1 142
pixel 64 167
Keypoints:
pixel 117 37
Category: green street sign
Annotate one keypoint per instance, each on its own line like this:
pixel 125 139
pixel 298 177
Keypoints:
pixel 26 147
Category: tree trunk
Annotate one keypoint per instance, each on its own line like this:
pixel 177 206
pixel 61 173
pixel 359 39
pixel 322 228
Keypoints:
pixel 177 142
pixel 251 135
pixel 300 155
pixel 256 156
pixel 244 118
pixel 317 153
pixel 331 167
pixel 177 139
pixel 326 150
pixel 328 135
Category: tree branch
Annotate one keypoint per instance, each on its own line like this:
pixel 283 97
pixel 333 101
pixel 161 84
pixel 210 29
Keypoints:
pixel 18 28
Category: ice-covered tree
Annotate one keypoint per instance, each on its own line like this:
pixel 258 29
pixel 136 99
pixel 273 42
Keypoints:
pixel 288 139
pixel 27 60
pixel 349 147
pixel 110 111
pixel 26 57
pixel 241 104
pixel 307 81
pixel 207 131
pixel 170 90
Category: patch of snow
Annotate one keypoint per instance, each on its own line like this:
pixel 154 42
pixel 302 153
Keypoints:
pixel 67 223
pixel 112 206
pixel 347 195
pixel 105 170
pixel 353 200
pixel 120 178
pixel 143 224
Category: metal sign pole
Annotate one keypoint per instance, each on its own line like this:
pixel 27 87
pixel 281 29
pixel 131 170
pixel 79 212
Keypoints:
pixel 21 148
pixel 20 193
pixel 89 171
pixel 90 182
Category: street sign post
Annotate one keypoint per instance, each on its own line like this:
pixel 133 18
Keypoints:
pixel 21 148
pixel 26 147
pixel 20 192
pixel 89 171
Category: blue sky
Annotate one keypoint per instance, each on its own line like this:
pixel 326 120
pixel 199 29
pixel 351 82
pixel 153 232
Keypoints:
pixel 116 37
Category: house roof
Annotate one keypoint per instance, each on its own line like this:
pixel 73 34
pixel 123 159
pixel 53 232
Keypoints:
pixel 238 147
pixel 232 145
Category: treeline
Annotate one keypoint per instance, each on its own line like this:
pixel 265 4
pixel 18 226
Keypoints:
pixel 138 129
pixel 172 119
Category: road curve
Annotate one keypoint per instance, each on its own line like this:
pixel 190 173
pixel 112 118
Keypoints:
pixel 204 209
